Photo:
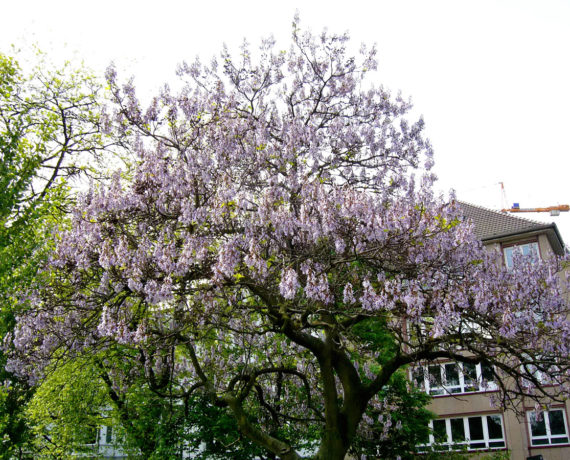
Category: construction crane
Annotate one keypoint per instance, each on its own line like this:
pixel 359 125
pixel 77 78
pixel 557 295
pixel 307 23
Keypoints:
pixel 553 210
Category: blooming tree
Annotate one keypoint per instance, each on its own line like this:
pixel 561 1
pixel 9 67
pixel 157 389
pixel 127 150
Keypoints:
pixel 273 221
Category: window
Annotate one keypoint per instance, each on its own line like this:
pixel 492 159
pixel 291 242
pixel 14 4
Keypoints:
pixel 473 433
pixel 550 428
pixel 109 435
pixel 91 435
pixel 525 250
pixel 453 378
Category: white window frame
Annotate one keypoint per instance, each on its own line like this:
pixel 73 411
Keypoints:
pixel 520 248
pixel 444 389
pixel 450 445
pixel 548 436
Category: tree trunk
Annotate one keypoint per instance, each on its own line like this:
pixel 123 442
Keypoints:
pixel 274 445
pixel 332 448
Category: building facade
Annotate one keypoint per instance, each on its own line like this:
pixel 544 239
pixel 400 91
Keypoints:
pixel 463 394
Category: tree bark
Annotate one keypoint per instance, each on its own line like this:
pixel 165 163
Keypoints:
pixel 274 445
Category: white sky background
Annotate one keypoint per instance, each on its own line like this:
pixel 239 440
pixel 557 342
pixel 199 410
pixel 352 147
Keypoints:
pixel 491 77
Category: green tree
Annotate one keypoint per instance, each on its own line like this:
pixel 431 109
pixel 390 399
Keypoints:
pixel 66 411
pixel 395 427
pixel 50 133
pixel 396 435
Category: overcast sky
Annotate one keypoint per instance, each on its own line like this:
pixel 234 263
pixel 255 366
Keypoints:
pixel 491 78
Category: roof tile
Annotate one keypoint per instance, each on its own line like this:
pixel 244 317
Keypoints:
pixel 494 224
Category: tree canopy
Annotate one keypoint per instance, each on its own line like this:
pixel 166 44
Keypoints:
pixel 279 251
pixel 49 133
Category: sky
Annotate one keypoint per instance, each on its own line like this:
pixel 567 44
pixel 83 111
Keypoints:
pixel 490 77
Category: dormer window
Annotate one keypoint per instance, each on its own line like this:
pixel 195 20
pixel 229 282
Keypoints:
pixel 527 250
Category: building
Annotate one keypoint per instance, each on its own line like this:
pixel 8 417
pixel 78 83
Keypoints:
pixel 462 393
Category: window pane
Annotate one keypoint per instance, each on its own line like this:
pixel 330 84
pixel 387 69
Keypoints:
pixel 530 250
pixel 494 427
pixel 435 375
pixel 418 377
pixel 451 374
pixel 475 428
pixel 91 436
pixel 525 249
pixel 556 422
pixel 509 256
pixel 497 444
pixel 439 432
pixel 457 430
pixel 477 445
pixel 435 379
pixel 487 372
pixel 537 427
pixel 109 435
pixel 452 377
pixel 563 440
pixel 469 376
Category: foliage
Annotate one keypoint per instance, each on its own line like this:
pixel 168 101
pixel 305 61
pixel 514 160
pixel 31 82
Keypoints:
pixel 215 435
pixel 272 217
pixel 153 424
pixel 394 430
pixel 67 409
pixel 463 455
pixel 49 131
pixel 502 455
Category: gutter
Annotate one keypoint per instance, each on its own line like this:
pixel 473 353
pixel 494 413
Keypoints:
pixel 551 231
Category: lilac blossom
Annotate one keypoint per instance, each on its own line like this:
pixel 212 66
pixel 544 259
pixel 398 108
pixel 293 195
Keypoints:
pixel 289 284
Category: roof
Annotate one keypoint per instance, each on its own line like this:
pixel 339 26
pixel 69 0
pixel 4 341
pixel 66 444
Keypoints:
pixel 494 226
